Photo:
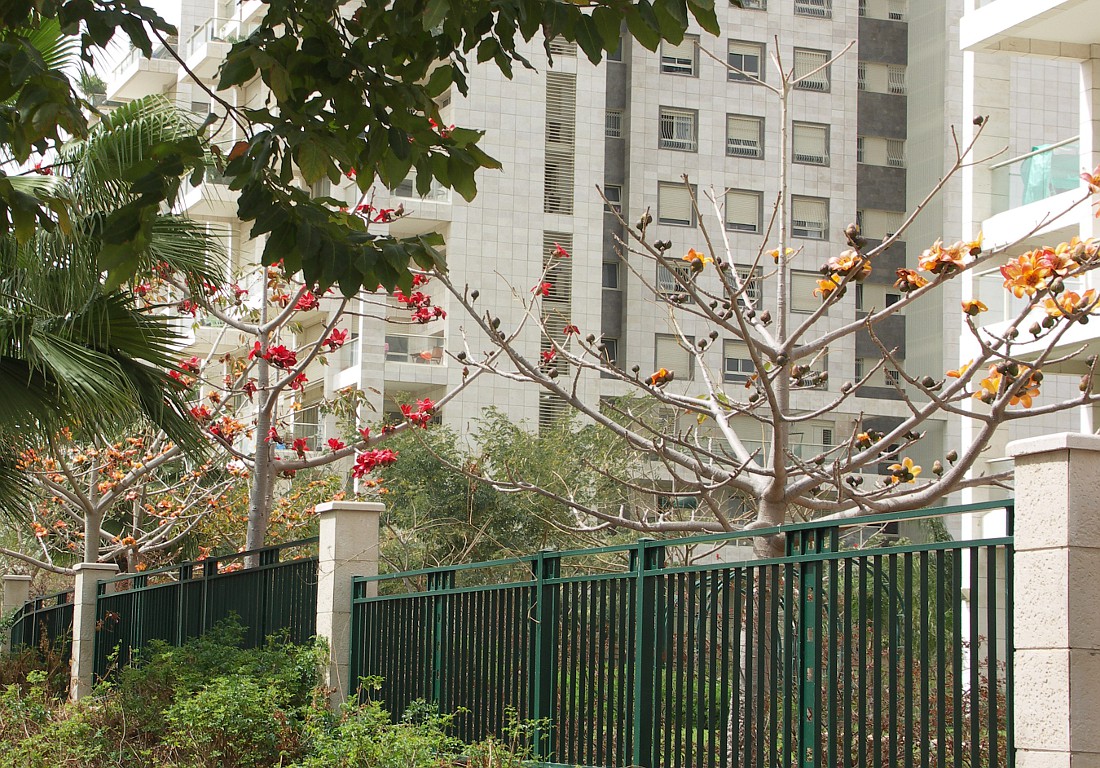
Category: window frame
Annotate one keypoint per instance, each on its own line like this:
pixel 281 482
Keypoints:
pixel 613 205
pixel 605 273
pixel 826 73
pixel 613 123
pixel 678 187
pixel 671 117
pixel 759 146
pixel 671 65
pixel 741 374
pixel 824 128
pixel 741 226
pixel 675 340
pixel 824 230
pixel 803 302
pixel 761 52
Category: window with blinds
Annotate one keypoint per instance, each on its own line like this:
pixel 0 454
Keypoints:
pixel 613 124
pixel 674 204
pixel 743 210
pixel 556 307
pixel 744 136
pixel 559 46
pixel 750 278
pixel 754 5
pixel 668 353
pixel 882 78
pixel 810 143
pixel 748 58
pixel 877 150
pixel 667 281
pixel 682 59
pixel 552 409
pixel 678 129
pixel 890 10
pixel 805 62
pixel 809 217
pixel 737 366
pixel 877 224
pixel 561 136
pixel 803 285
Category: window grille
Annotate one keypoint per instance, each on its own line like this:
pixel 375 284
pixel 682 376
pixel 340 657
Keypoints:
pixel 613 124
pixel 810 143
pixel 561 134
pixel 809 217
pixel 678 129
pixel 666 278
pixel 805 62
pixel 820 9
pixel 744 136
pixel 737 366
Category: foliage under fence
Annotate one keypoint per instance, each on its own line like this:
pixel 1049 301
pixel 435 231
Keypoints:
pixel 45 623
pixel 177 604
pixel 841 653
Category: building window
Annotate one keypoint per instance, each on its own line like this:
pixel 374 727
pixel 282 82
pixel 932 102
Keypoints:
pixel 803 285
pixel 810 217
pixel 820 9
pixel 882 78
pixel 674 204
pixel 893 378
pixel 750 278
pixel 746 57
pixel 754 5
pixel 877 150
pixel 743 210
pixel 861 368
pixel 610 350
pixel 744 136
pixel 737 366
pixel 613 124
pixel 876 224
pixel 671 280
pixel 682 59
pixel 810 143
pixel 678 129
pixel 617 54
pixel 805 62
pixel 669 353
pixel 611 275
pixel 890 10
pixel 614 195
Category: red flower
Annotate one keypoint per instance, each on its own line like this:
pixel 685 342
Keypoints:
pixel 570 329
pixel 255 351
pixel 298 381
pixel 368 460
pixel 141 289
pixel 273 436
pixel 306 302
pixel 419 280
pixel 300 445
pixel 249 388
pixel 188 307
pixel 280 356
pixel 201 413
pixel 351 173
pixel 335 443
pixel 560 252
pixel 238 292
pixel 43 170
pixel 425 405
pixel 384 216
pixel 548 356
pixel 365 208
pixel 336 339
pixel 542 289
pixel 191 366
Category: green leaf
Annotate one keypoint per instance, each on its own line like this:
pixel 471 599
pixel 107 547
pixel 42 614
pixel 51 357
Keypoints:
pixel 440 80
pixel 434 14
pixel 313 161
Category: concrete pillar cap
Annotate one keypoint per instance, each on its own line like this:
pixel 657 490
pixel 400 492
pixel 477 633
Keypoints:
pixel 350 506
pixel 1062 441
pixel 16 577
pixel 111 567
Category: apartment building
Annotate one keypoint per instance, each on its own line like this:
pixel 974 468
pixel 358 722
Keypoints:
pixel 631 126
pixel 1034 69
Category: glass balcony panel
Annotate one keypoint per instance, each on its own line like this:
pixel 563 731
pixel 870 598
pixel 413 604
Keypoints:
pixel 1044 172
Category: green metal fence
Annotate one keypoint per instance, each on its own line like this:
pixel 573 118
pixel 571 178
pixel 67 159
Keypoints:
pixel 854 649
pixel 45 623
pixel 279 593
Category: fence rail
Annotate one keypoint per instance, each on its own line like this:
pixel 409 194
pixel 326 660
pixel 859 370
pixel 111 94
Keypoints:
pixel 176 604
pixel 893 653
pixel 46 623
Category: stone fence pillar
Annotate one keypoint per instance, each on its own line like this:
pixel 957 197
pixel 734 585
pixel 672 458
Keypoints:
pixel 17 591
pixel 81 675
pixel 1056 624
pixel 348 547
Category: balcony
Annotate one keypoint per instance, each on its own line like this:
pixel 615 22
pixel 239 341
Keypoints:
pixel 1037 195
pixel 208 45
pixel 212 199
pixel 136 76
pixel 415 348
pixel 1051 28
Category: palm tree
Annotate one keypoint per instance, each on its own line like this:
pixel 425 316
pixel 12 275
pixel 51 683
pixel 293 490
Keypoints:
pixel 74 352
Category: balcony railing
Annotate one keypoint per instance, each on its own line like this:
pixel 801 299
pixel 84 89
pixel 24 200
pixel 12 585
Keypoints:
pixel 1003 305
pixel 437 193
pixel 219 30
pixel 421 349
pixel 159 52
pixel 1044 172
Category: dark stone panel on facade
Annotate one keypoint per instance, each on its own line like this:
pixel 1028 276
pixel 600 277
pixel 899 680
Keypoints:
pixel 614 161
pixel 890 332
pixel 883 41
pixel 611 314
pixel 884 266
pixel 881 114
pixel 880 187
pixel 612 229
pixel 616 87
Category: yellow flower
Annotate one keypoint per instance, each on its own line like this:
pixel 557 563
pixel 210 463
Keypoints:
pixel 697 260
pixel 1026 274
pixel 909 280
pixel 958 374
pixel 974 307
pixel 905 472
pixel 941 260
pixel 774 253
pixel 848 262
pixel 827 286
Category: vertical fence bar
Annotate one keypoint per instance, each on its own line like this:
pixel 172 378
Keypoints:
pixel 645 558
pixel 546 565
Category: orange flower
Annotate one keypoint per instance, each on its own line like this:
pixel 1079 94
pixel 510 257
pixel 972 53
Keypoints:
pixel 1026 274
pixel 974 307
pixel 697 260
pixel 848 262
pixel 1092 179
pixel 909 280
pixel 1070 303
pixel 958 374
pixel 661 376
pixel 905 472
pixel 940 260
pixel 827 286
pixel 774 253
